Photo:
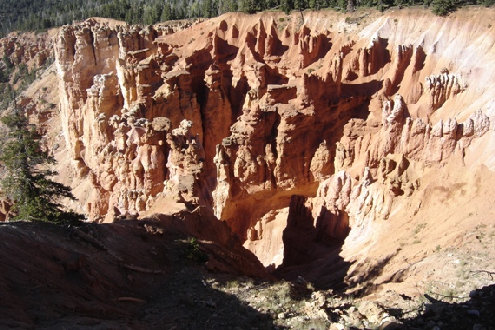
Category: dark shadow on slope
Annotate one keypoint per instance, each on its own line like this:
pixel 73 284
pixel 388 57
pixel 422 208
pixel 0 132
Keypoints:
pixel 364 90
pixel 272 76
pixel 237 96
pixel 199 62
pixel 324 45
pixel 224 247
pixel 186 301
pixel 278 49
pixel 419 60
pixel 224 51
pixel 133 274
pixel 312 248
pixel 251 41
pixel 477 313
pixel 311 251
pixel 377 56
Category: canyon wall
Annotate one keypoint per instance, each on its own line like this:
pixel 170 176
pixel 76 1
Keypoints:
pixel 299 131
pixel 29 49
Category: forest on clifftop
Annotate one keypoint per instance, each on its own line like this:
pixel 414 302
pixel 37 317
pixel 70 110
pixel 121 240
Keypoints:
pixel 28 15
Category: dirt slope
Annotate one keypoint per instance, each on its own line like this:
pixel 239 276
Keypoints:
pixel 133 274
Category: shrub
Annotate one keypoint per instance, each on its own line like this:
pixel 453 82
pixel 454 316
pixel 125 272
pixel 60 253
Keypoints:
pixel 443 7
pixel 194 252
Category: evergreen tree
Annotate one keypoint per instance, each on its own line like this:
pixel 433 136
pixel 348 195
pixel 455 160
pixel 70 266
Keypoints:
pixel 166 13
pixel 207 9
pixel 443 7
pixel 314 4
pixel 27 182
pixel 228 6
pixel 351 6
pixel 34 15
pixel 299 5
pixel 286 6
pixel 250 6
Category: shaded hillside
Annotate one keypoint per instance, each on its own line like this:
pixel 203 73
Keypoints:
pixel 147 275
pixel 116 275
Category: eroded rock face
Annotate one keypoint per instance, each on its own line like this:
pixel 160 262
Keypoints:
pixel 32 50
pixel 118 120
pixel 442 87
pixel 279 126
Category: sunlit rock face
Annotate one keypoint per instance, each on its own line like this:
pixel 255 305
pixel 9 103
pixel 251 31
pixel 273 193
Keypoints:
pixel 296 131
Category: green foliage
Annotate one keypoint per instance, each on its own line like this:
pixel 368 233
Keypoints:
pixel 27 182
pixel 4 76
pixel 151 14
pixel 443 7
pixel 250 6
pixel 6 69
pixel 317 4
pixel 225 6
pixel 167 13
pixel 300 4
pixel 6 95
pixel 7 62
pixel 193 251
pixel 207 9
pixel 19 75
pixel 40 15
pixel 286 6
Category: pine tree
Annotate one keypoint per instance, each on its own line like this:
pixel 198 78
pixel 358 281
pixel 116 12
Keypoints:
pixel 27 182
pixel 207 9
pixel 300 5
pixel 250 6
pixel 314 4
pixel 443 7
pixel 166 13
pixel 286 6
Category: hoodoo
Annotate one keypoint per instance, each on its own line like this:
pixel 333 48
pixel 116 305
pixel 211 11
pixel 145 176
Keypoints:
pixel 349 150
pixel 242 113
